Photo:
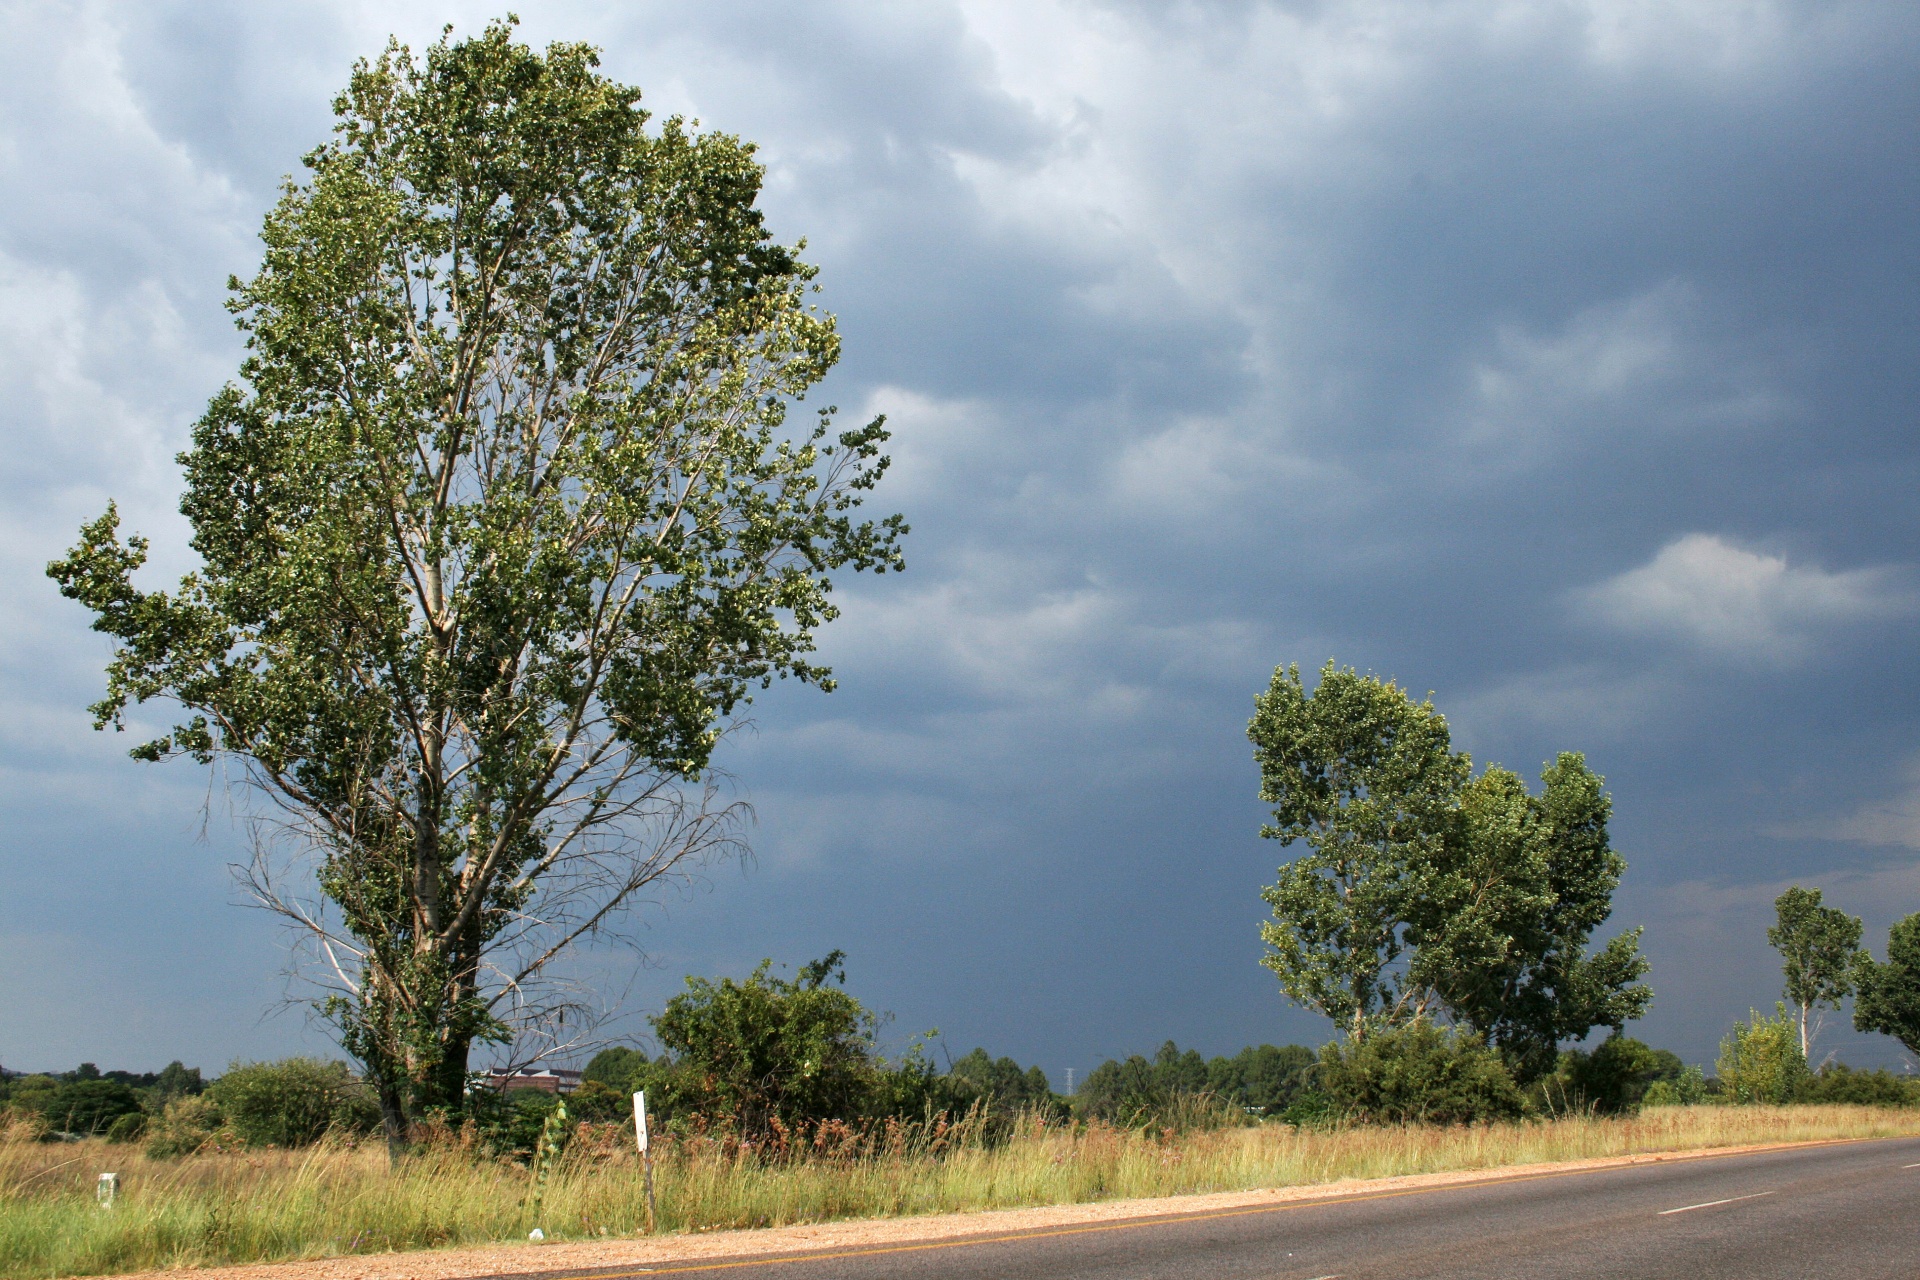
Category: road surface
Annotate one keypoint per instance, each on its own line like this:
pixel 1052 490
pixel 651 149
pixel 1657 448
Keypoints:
pixel 1843 1210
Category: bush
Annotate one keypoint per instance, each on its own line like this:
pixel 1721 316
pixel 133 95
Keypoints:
pixel 293 1102
pixel 1760 1060
pixel 769 1053
pixel 1838 1082
pixel 1614 1078
pixel 1687 1089
pixel 128 1128
pixel 1419 1073
pixel 80 1107
pixel 189 1123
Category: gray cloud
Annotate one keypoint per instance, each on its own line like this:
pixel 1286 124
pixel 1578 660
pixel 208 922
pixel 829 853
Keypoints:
pixel 1558 358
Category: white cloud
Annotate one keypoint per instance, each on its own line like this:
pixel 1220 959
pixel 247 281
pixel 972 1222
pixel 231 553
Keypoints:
pixel 1740 603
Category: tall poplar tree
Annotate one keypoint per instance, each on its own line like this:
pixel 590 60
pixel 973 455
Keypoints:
pixel 501 522
pixel 1819 950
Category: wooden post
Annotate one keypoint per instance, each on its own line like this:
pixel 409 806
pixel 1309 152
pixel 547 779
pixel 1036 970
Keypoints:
pixel 646 1154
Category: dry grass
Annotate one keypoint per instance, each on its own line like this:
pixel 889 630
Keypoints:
pixel 332 1199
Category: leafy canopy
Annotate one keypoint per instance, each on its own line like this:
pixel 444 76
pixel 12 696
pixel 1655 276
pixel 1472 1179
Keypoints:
pixel 1889 992
pixel 1426 889
pixel 500 524
pixel 1819 950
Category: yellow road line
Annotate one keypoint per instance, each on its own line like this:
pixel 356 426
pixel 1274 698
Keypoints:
pixel 1134 1224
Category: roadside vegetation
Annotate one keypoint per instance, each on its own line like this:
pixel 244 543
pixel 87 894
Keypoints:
pixel 337 1198
pixel 467 687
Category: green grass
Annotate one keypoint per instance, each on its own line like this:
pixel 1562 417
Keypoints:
pixel 335 1199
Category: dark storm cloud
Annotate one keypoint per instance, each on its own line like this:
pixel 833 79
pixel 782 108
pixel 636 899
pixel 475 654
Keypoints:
pixel 1558 358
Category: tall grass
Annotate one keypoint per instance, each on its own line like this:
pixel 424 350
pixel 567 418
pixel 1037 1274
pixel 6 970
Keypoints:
pixel 337 1199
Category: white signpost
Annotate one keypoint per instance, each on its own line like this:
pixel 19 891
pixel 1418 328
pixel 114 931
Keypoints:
pixel 106 1189
pixel 646 1155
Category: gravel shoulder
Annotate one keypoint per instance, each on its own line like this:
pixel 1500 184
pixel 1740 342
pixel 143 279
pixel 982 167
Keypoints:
pixel 530 1259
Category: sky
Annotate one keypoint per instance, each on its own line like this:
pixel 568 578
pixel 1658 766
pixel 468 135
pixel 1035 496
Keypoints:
pixel 1561 359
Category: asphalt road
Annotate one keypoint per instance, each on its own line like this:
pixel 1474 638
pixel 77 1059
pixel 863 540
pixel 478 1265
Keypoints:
pixel 1846 1210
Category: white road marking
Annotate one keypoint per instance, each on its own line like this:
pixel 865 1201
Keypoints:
pixel 1686 1208
pixel 1910 1166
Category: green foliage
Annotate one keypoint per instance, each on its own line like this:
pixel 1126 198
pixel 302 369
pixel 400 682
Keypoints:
pixel 1837 1082
pixel 293 1102
pixel 998 1084
pixel 1262 1080
pixel 768 1049
pixel 1614 1078
pixel 1760 1060
pixel 128 1128
pixel 513 1123
pixel 1184 1089
pixel 614 1066
pixel 86 1106
pixel 176 1079
pixel 1819 951
pixel 1137 1091
pixel 1889 993
pixel 1417 1073
pixel 1502 926
pixel 1688 1089
pixel 189 1123
pixel 1425 886
pixel 501 523
pixel 1364 775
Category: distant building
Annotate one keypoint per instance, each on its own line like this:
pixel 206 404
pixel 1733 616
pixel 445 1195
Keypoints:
pixel 545 1079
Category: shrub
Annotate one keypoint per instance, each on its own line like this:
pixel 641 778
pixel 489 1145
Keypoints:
pixel 767 1052
pixel 1687 1089
pixel 1760 1060
pixel 293 1102
pixel 189 1123
pixel 128 1128
pixel 1838 1082
pixel 85 1107
pixel 1418 1073
pixel 1611 1079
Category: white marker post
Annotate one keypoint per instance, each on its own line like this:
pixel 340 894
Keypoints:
pixel 106 1189
pixel 646 1155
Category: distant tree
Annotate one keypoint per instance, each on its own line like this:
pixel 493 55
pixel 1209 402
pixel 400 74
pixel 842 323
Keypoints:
pixel 1265 1079
pixel 614 1066
pixel 998 1082
pixel 502 524
pixel 1820 953
pixel 1363 775
pixel 1501 933
pixel 1428 890
pixel 176 1080
pixel 88 1104
pixel 1889 992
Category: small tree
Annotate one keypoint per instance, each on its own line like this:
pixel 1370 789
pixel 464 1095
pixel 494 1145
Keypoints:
pixel 768 1050
pixel 1760 1059
pixel 1889 999
pixel 1819 950
pixel 501 525
pixel 1363 775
